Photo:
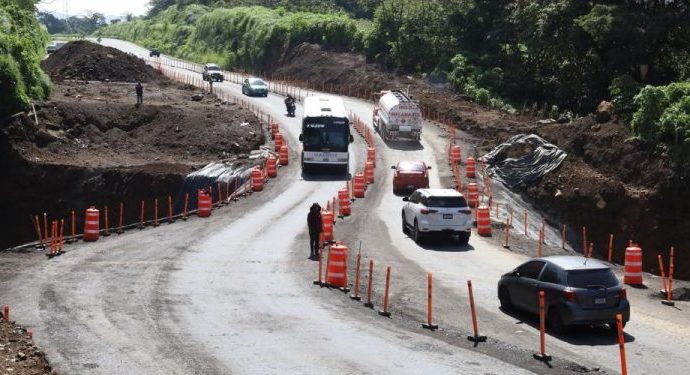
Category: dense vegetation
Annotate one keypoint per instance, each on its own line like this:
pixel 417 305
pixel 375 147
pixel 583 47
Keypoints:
pixel 248 37
pixel 80 25
pixel 356 8
pixel 22 45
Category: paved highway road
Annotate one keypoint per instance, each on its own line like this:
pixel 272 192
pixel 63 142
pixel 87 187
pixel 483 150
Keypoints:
pixel 233 293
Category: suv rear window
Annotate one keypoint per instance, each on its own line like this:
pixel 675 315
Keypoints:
pixel 585 278
pixel 446 202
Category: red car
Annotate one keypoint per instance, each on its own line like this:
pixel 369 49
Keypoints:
pixel 410 176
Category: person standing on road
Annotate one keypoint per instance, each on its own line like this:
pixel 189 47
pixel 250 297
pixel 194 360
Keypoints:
pixel 140 93
pixel 315 227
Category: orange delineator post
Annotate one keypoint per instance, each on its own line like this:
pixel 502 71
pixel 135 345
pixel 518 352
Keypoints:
pixel 186 206
pixel 107 222
pixel 45 226
pixel 6 313
pixel 591 250
pixel 584 241
pixel 539 247
pixel 155 212
pixel 120 227
pixel 368 303
pixel 385 311
pixel 507 234
pixel 170 219
pixel 141 217
pixel 429 305
pixel 37 226
pixel 610 247
pixel 475 326
pixel 220 195
pixel 356 296
pixel 621 344
pixel 670 277
pixel 525 224
pixel 663 275
pixel 542 356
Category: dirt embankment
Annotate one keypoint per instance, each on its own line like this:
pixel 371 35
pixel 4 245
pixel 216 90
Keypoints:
pixel 18 354
pixel 90 144
pixel 609 182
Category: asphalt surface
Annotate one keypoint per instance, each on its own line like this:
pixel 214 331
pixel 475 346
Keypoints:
pixel 233 293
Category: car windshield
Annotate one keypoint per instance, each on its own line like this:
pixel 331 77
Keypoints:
pixel 585 278
pixel 449 202
pixel 212 67
pixel 407 166
pixel 257 82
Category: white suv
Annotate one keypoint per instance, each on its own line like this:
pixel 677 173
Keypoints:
pixel 437 210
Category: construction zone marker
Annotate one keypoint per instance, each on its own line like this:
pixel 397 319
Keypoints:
pixel 542 356
pixel 368 303
pixel 621 344
pixel 385 311
pixel 356 296
pixel 429 305
pixel 476 338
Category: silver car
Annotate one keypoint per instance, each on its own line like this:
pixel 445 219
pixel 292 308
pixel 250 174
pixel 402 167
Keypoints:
pixel 577 290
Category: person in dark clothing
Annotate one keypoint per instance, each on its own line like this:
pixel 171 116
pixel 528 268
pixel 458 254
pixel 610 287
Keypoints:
pixel 140 93
pixel 315 227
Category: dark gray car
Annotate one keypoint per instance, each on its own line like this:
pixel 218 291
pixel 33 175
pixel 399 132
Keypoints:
pixel 578 291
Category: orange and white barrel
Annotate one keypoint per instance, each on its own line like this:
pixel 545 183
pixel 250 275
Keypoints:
pixel 272 166
pixel 344 202
pixel 633 265
pixel 483 221
pixel 205 204
pixel 472 194
pixel 371 155
pixel 283 154
pixel 327 222
pixel 369 172
pixel 470 167
pixel 274 129
pixel 455 154
pixel 91 224
pixel 359 185
pixel 278 141
pixel 257 180
pixel 337 266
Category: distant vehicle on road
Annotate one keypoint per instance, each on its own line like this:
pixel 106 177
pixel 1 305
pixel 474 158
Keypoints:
pixel 325 133
pixel 154 52
pixel 53 47
pixel 212 73
pixel 397 116
pixel 578 291
pixel 255 87
pixel 437 211
pixel 410 176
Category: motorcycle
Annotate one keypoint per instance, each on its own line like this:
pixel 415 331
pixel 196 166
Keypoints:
pixel 290 108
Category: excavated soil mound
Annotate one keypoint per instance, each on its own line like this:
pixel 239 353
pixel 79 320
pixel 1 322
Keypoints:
pixel 609 182
pixel 18 354
pixel 83 60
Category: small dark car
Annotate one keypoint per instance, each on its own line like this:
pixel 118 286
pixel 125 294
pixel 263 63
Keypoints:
pixel 577 291
pixel 154 52
pixel 255 86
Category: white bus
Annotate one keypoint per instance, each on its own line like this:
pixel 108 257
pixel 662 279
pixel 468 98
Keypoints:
pixel 325 133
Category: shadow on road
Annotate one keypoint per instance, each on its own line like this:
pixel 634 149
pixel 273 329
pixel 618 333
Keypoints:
pixel 325 174
pixel 404 145
pixel 444 243
pixel 595 335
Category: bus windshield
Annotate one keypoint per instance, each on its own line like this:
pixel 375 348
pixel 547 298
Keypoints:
pixel 326 134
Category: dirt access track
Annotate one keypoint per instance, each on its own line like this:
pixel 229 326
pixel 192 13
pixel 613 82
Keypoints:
pixel 234 293
pixel 90 144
